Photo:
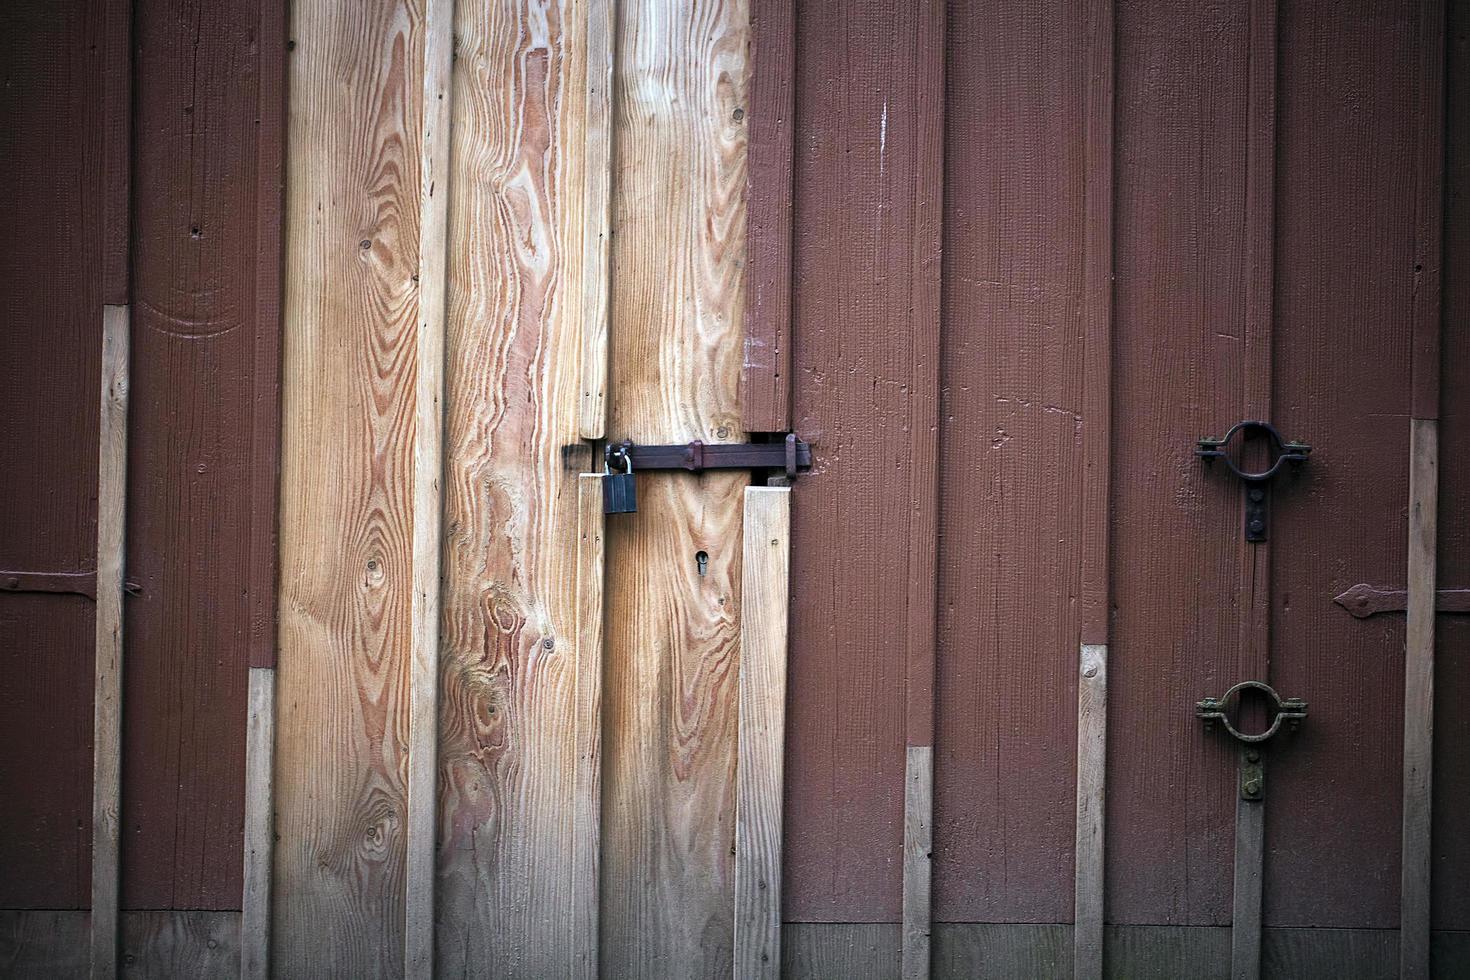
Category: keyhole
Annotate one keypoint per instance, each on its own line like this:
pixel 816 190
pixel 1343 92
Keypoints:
pixel 701 562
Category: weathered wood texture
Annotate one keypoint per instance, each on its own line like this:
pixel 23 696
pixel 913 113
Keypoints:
pixel 203 447
pixel 587 782
pixel 761 741
pixel 599 45
pixel 508 715
pixel 112 475
pixel 1451 825
pixel 672 633
pixel 1347 245
pixel 51 296
pixel 259 829
pixel 49 945
pixel 347 509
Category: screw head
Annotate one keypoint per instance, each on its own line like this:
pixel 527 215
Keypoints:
pixel 1253 787
pixel 1253 756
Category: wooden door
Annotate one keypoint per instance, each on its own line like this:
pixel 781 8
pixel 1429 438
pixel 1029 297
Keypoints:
pixel 1038 251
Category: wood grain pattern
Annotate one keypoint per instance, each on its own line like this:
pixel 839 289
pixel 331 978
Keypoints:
pixel 509 722
pixel 50 353
pixel 1250 858
pixel 255 914
pixel 765 394
pixel 428 470
pixel 112 477
pixel 857 951
pixel 587 814
pixel 600 40
pixel 1092 754
pixel 760 744
pixel 1417 869
pixel 347 514
pixel 918 848
pixel 52 945
pixel 672 645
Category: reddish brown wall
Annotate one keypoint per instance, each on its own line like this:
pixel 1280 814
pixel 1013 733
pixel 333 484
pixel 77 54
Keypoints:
pixel 1232 289
pixel 50 350
pixel 202 256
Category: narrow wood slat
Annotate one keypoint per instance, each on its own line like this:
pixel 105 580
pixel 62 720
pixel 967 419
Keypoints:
pixel 587 788
pixel 1092 728
pixel 260 734
pixel 428 468
pixel 601 49
pixel 925 354
pixel 1250 856
pixel 766 378
pixel 107 711
pixel 1429 212
pixel 117 88
pixel 1419 699
pixel 761 738
pixel 1092 687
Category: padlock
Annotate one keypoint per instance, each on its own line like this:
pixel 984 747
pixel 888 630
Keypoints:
pixel 619 491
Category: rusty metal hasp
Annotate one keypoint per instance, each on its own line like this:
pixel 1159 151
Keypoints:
pixel 1257 483
pixel 1285 711
pixel 619 494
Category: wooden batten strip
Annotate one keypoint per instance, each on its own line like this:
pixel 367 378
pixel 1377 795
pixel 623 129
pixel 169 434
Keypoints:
pixel 1250 857
pixel 260 734
pixel 587 780
pixel 1092 684
pixel 117 87
pixel 761 741
pixel 1419 700
pixel 597 228
pixel 766 379
pixel 1429 212
pixel 428 471
pixel 107 711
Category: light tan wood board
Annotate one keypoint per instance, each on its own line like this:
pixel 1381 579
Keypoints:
pixel 347 486
pixel 509 735
pixel 672 633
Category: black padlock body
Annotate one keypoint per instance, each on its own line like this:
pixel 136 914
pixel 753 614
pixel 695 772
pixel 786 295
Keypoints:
pixel 619 494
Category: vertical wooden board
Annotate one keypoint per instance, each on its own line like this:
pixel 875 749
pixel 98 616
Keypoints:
pixel 43 945
pixel 50 353
pixel 599 47
pixel 765 598
pixel 260 829
pixel 1451 836
pixel 672 633
pixel 508 723
pixel 587 802
pixel 192 467
pixel 852 371
pixel 1001 950
pixel 180 944
pixel 1348 115
pixel 854 950
pixel 352 216
pixel 1178 351
pixel 765 394
pixel 1013 422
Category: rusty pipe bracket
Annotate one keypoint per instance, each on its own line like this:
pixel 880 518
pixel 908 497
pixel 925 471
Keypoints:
pixel 1290 712
pixel 1257 483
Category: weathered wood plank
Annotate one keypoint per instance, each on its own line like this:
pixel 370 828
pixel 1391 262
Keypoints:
pixel 765 395
pixel 672 633
pixel 52 945
pixel 853 951
pixel 1417 869
pixel 112 475
pixel 260 732
pixel 587 792
pixel 761 741
pixel 918 849
pixel 1250 858
pixel 428 469
pixel 509 722
pixel 347 477
pixel 1092 729
pixel 600 44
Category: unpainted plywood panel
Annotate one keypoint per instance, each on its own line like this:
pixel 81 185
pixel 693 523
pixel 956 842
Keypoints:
pixel 352 215
pixel 672 637
pixel 50 354
pixel 511 523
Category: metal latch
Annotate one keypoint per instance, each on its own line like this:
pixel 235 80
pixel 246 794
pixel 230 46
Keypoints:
pixel 1290 712
pixel 619 495
pixel 1257 483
